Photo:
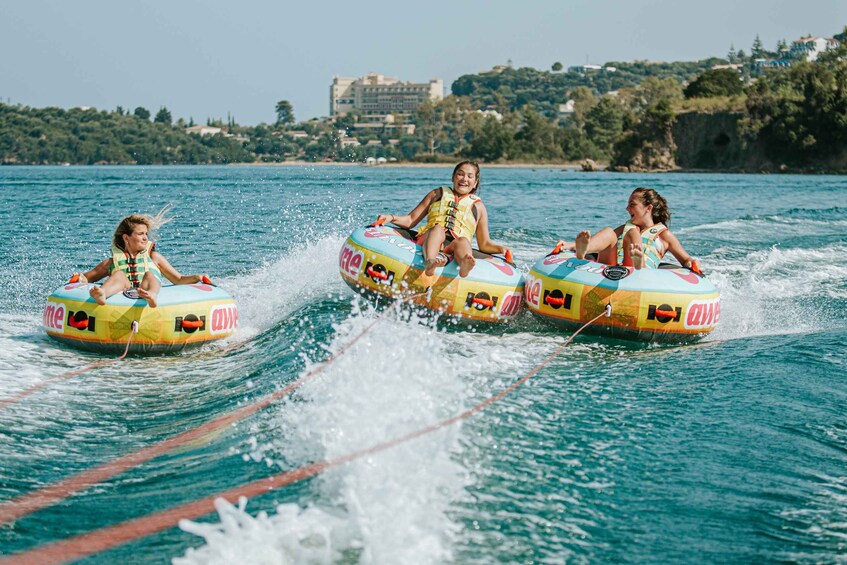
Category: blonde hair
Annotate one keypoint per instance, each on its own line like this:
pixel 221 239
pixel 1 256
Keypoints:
pixel 128 225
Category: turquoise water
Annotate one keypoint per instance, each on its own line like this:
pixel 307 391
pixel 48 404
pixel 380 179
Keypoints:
pixel 734 449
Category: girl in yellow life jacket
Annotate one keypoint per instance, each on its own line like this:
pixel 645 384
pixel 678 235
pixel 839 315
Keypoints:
pixel 135 263
pixel 453 215
pixel 641 242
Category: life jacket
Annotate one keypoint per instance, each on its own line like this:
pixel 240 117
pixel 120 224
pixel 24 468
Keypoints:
pixel 135 267
pixel 454 213
pixel 652 254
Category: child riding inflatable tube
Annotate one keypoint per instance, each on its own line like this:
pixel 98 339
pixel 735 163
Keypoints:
pixel 668 304
pixel 385 261
pixel 186 316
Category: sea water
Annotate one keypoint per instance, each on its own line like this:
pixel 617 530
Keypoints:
pixel 733 449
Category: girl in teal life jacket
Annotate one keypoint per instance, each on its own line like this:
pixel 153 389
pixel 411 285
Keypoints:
pixel 641 242
pixel 135 263
pixel 453 216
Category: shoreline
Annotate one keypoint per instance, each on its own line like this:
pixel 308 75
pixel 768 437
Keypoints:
pixel 408 165
pixel 564 167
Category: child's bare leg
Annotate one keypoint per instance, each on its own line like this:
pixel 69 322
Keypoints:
pixel 462 252
pixel 433 239
pixel 149 289
pixel 116 282
pixel 604 243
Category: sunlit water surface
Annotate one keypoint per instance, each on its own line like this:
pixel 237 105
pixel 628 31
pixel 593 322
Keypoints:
pixel 733 449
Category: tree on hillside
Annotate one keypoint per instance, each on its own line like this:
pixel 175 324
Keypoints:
pixel 799 113
pixel 142 113
pixel 536 138
pixel 492 141
pixel 604 123
pixel 715 82
pixel 284 113
pixel 757 51
pixel 557 66
pixel 163 116
pixel 732 56
pixel 429 122
pixel 583 101
pixel 651 92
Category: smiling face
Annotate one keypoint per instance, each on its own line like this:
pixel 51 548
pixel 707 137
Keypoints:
pixel 465 179
pixel 137 240
pixel 639 214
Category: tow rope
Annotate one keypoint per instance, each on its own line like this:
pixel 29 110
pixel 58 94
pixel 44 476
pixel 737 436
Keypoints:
pixel 35 388
pixel 97 541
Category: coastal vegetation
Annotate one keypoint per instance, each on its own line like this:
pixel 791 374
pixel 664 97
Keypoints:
pixel 629 115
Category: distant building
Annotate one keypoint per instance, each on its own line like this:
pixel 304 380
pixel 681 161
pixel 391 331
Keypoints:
pixel 204 130
pixel 737 67
pixel 584 68
pixel 567 108
pixel 808 48
pixel 349 142
pixel 803 49
pixel 771 63
pixel 375 97
pixel 734 66
pixel 491 113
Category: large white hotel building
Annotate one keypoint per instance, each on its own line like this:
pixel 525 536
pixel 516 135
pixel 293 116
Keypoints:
pixel 375 97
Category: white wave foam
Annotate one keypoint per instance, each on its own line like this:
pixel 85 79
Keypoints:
pixel 273 291
pixel 777 291
pixel 394 505
pixel 290 536
pixel 765 228
pixel 27 355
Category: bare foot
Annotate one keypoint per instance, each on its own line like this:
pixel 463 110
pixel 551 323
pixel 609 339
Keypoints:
pixel 148 296
pixel 637 255
pixel 98 295
pixel 581 243
pixel 431 264
pixel 465 265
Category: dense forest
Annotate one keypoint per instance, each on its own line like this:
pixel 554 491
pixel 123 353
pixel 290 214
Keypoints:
pixel 621 114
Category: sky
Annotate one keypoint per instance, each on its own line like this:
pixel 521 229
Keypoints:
pixel 215 59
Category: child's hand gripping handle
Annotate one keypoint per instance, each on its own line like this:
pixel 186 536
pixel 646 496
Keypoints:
pixel 558 249
pixel 508 256
pixel 380 220
pixel 206 280
pixel 694 266
pixel 74 278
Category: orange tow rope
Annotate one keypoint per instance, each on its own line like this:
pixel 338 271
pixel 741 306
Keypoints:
pixel 107 538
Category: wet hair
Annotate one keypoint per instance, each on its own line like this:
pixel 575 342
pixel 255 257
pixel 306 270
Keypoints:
pixel 128 225
pixel 473 164
pixel 661 214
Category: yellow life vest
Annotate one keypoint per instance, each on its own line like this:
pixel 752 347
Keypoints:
pixel 454 213
pixel 652 254
pixel 134 267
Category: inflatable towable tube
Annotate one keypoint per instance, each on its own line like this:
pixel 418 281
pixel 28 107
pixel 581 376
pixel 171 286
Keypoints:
pixel 386 261
pixel 668 304
pixel 187 316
